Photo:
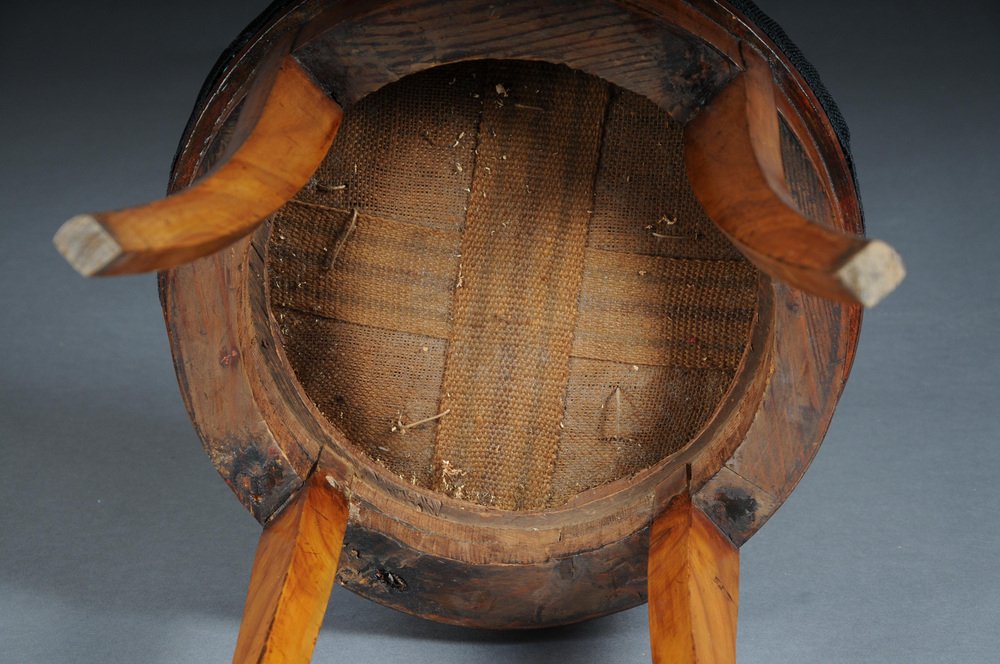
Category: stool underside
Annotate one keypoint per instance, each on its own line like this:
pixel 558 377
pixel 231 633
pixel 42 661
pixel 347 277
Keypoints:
pixel 500 286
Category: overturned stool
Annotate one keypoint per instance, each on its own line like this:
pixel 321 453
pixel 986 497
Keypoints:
pixel 506 315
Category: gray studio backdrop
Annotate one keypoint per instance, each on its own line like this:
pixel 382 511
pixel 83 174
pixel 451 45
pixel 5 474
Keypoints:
pixel 119 543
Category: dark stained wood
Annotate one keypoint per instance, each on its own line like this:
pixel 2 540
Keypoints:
pixel 636 50
pixel 293 125
pixel 293 574
pixel 737 506
pixel 694 573
pixel 733 153
pixel 796 101
pixel 562 590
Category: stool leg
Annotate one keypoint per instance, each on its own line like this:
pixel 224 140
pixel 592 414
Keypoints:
pixel 283 133
pixel 693 588
pixel 293 574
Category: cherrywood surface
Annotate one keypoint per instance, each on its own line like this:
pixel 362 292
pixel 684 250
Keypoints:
pixel 733 153
pixel 295 128
pixel 293 575
pixel 694 574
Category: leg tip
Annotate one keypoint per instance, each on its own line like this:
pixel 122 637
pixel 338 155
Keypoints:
pixel 86 245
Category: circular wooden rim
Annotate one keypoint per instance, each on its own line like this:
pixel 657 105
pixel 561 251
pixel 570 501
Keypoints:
pixel 625 498
pixel 265 436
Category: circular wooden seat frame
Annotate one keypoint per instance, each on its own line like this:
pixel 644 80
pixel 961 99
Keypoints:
pixel 279 90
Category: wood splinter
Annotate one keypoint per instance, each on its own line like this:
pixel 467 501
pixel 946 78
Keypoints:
pixel 734 163
pixel 403 428
pixel 293 125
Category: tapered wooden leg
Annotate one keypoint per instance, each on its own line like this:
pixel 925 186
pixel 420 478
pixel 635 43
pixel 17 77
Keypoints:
pixel 734 163
pixel 293 574
pixel 289 123
pixel 694 573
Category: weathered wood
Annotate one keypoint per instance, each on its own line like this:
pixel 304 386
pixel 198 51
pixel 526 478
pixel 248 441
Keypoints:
pixel 293 574
pixel 652 54
pixel 562 590
pixel 733 152
pixel 296 125
pixel 694 574
pixel 215 354
pixel 263 432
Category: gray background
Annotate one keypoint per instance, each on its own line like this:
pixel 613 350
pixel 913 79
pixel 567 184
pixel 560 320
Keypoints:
pixel 119 543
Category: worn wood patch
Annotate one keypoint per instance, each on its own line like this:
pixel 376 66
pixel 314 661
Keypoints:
pixel 560 591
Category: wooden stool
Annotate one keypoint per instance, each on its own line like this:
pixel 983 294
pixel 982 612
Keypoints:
pixel 506 315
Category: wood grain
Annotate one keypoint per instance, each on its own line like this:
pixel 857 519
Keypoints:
pixel 693 588
pixel 485 567
pixel 733 154
pixel 293 574
pixel 296 125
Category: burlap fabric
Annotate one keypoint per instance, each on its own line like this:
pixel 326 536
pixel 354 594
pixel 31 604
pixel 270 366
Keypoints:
pixel 513 250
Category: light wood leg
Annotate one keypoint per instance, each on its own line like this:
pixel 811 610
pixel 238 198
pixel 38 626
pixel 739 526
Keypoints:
pixel 293 575
pixel 694 573
pixel 734 163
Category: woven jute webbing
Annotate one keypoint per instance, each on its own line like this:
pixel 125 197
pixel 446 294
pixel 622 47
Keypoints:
pixel 500 286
